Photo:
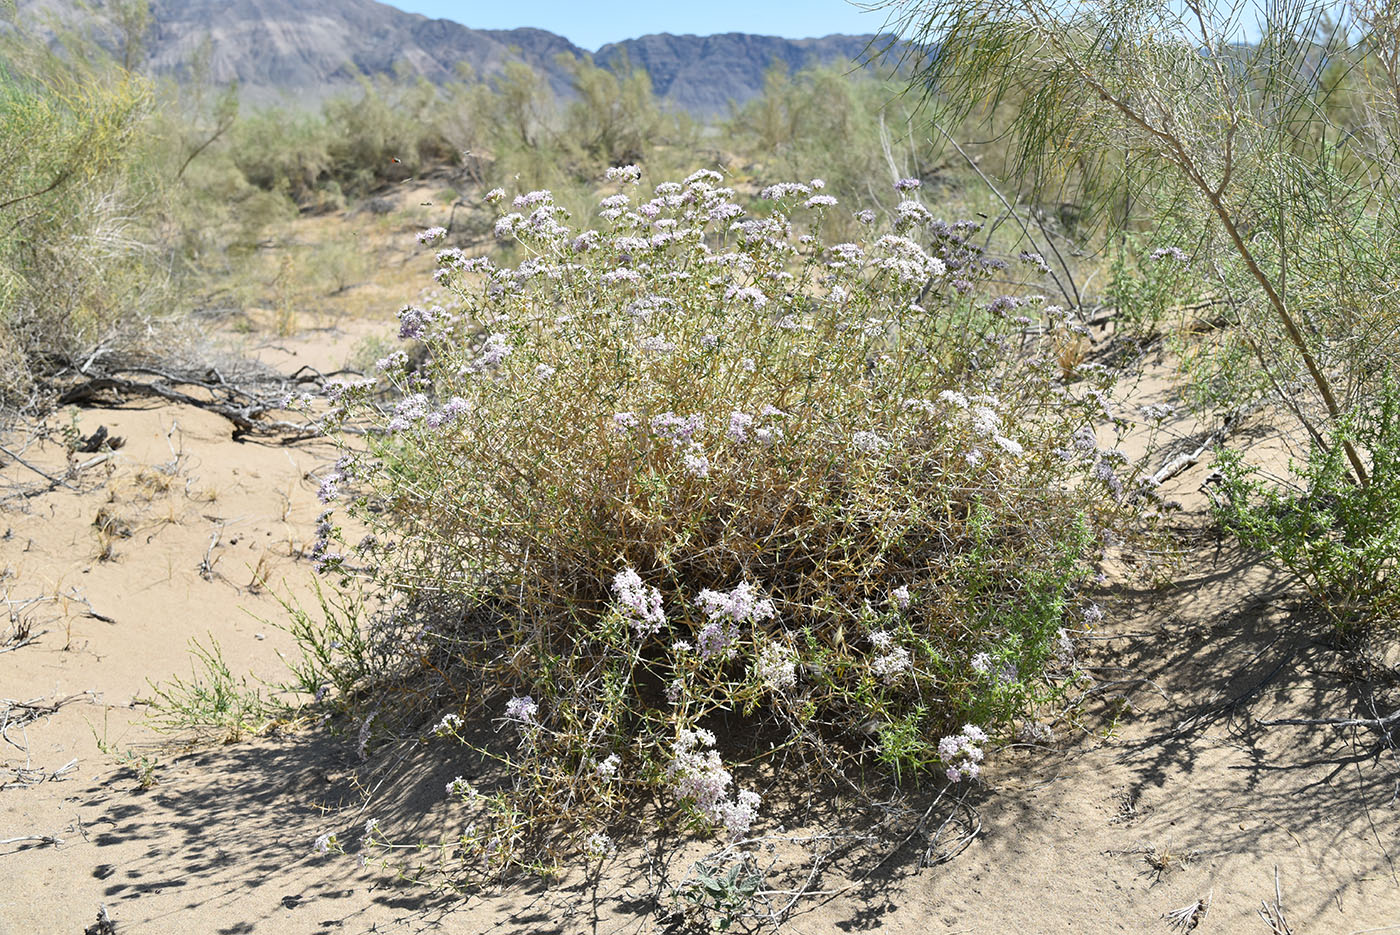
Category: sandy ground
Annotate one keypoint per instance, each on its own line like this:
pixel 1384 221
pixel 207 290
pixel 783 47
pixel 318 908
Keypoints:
pixel 1167 790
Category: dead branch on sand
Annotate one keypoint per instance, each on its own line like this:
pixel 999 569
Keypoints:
pixel 248 395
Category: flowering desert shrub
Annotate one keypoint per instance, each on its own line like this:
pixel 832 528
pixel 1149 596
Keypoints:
pixel 695 476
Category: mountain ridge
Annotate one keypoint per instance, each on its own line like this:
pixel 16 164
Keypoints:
pixel 300 53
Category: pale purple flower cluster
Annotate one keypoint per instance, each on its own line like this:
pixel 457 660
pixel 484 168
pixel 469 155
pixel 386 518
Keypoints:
pixel 907 185
pixel 531 199
pixel 820 201
pixel 393 361
pixel 963 753
pixel 900 597
pixel 1034 259
pixel 455 259
pixel 723 210
pixel 695 462
pixel 739 425
pixel 698 774
pixel 1083 444
pixel 494 349
pixel 657 344
pixel 1003 304
pixel 408 411
pixel 461 787
pixel 679 430
pixel 321 556
pixel 1103 471
pixel 908 213
pixel 1157 412
pixel 624 274
pixel 844 254
pixel 1010 446
pixel 522 709
pixel 624 421
pixel 505 225
pixel 985 422
pixel 892 661
pixel 641 604
pixel 1173 253
pixel 495 195
pixel 725 612
pixel 432 235
pixel 413 321
pixel 707 176
pixel 449 412
pixel 1004 674
pixel 953 398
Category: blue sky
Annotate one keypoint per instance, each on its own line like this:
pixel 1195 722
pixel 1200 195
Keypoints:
pixel 591 25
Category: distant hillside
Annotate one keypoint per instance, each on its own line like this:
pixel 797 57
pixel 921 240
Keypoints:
pixel 303 51
pixel 702 74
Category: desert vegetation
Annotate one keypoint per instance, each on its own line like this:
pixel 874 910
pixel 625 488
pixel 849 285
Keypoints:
pixel 702 471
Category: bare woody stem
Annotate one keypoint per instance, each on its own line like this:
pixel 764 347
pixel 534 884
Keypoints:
pixel 1295 335
pixel 1176 153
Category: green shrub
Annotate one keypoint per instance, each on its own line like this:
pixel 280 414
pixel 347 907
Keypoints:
pixel 691 479
pixel 78 269
pixel 1339 539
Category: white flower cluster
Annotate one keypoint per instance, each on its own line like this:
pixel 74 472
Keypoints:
pixel 640 604
pixel 777 667
pixel 963 753
pixel 697 773
pixel 460 787
pixel 449 724
pixel 868 442
pixel 432 235
pixel 599 845
pixel 607 769
pixel 893 661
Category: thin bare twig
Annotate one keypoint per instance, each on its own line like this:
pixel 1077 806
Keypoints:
pixel 56 481
pixel 41 838
pixel 1273 916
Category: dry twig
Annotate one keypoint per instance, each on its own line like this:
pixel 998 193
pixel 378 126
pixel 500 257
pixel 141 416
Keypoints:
pixel 1188 917
pixel 1273 915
